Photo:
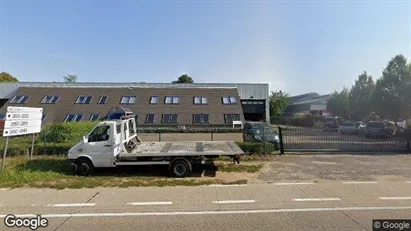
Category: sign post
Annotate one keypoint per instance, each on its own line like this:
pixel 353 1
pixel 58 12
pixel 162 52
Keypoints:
pixel 21 121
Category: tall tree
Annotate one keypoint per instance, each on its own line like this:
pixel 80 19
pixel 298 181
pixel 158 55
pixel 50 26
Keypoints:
pixel 184 79
pixel 360 97
pixel 392 95
pixel 339 104
pixel 6 77
pixel 279 100
pixel 70 78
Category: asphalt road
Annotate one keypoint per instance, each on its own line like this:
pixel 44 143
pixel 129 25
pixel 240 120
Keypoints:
pixel 283 205
pixel 314 193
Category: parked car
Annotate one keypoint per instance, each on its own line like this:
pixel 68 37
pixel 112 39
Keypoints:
pixel 349 127
pixel 260 132
pixel 332 123
pixel 383 129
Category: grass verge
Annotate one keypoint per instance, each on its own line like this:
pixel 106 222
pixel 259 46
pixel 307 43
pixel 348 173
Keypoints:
pixel 52 172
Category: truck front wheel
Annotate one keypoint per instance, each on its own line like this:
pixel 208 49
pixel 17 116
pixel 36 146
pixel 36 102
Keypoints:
pixel 180 168
pixel 85 166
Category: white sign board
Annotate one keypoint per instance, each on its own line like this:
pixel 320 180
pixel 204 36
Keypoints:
pixel 22 120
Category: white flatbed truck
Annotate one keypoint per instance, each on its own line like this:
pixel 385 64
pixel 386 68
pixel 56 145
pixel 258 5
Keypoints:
pixel 115 143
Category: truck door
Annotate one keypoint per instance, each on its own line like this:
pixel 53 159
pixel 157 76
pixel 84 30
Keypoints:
pixel 100 146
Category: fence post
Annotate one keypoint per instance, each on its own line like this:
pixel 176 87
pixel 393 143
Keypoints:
pixel 264 141
pixel 159 136
pixel 408 145
pixel 280 136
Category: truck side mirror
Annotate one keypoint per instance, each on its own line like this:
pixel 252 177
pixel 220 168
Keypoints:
pixel 85 139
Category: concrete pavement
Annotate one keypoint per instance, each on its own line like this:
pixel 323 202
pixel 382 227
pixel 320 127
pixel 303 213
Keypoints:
pixel 299 205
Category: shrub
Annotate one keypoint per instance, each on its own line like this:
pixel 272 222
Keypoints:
pixel 257 148
pixel 15 149
pixel 49 148
pixel 66 132
pixel 303 120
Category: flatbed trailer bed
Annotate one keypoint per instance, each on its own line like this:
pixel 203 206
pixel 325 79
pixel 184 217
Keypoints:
pixel 200 148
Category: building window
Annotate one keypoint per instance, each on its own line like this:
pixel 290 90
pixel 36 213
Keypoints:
pixel 200 100
pixel 50 99
pixel 154 100
pixel 169 118
pixel 149 118
pixel 229 118
pixel 200 118
pixel 102 100
pixel 73 117
pixel 19 99
pixel 229 100
pixel 128 100
pixel 172 100
pixel 83 99
pixel 94 117
pixel 43 117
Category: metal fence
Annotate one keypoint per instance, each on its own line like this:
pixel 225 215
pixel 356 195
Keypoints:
pixel 312 139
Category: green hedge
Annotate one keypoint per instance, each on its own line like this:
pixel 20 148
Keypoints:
pixel 257 148
pixel 307 120
pixel 39 149
pixel 66 132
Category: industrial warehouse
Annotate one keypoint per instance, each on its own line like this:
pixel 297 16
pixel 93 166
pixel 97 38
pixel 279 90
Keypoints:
pixel 151 103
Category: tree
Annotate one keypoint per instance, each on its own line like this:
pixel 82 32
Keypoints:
pixel 70 78
pixel 360 97
pixel 184 79
pixel 339 104
pixel 279 100
pixel 6 77
pixel 392 95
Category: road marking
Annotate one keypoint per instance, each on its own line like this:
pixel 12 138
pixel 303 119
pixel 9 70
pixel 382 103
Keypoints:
pixel 4 189
pixel 234 202
pixel 316 199
pixel 359 182
pixel 226 185
pixel 72 205
pixel 74 215
pixel 395 198
pixel 293 183
pixel 151 203
pixel 408 182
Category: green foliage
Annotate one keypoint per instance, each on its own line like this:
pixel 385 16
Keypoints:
pixel 360 96
pixel 66 132
pixel 372 117
pixel 6 77
pixel 184 79
pixel 392 95
pixel 303 120
pixel 388 97
pixel 70 78
pixel 279 100
pixel 257 148
pixel 338 104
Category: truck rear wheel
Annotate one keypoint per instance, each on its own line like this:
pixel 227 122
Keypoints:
pixel 180 168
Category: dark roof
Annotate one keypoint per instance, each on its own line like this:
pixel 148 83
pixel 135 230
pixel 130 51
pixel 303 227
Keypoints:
pixel 185 108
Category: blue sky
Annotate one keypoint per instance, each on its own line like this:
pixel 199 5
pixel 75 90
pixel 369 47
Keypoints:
pixel 297 46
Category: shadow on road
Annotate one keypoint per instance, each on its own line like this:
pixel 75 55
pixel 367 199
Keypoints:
pixel 61 166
